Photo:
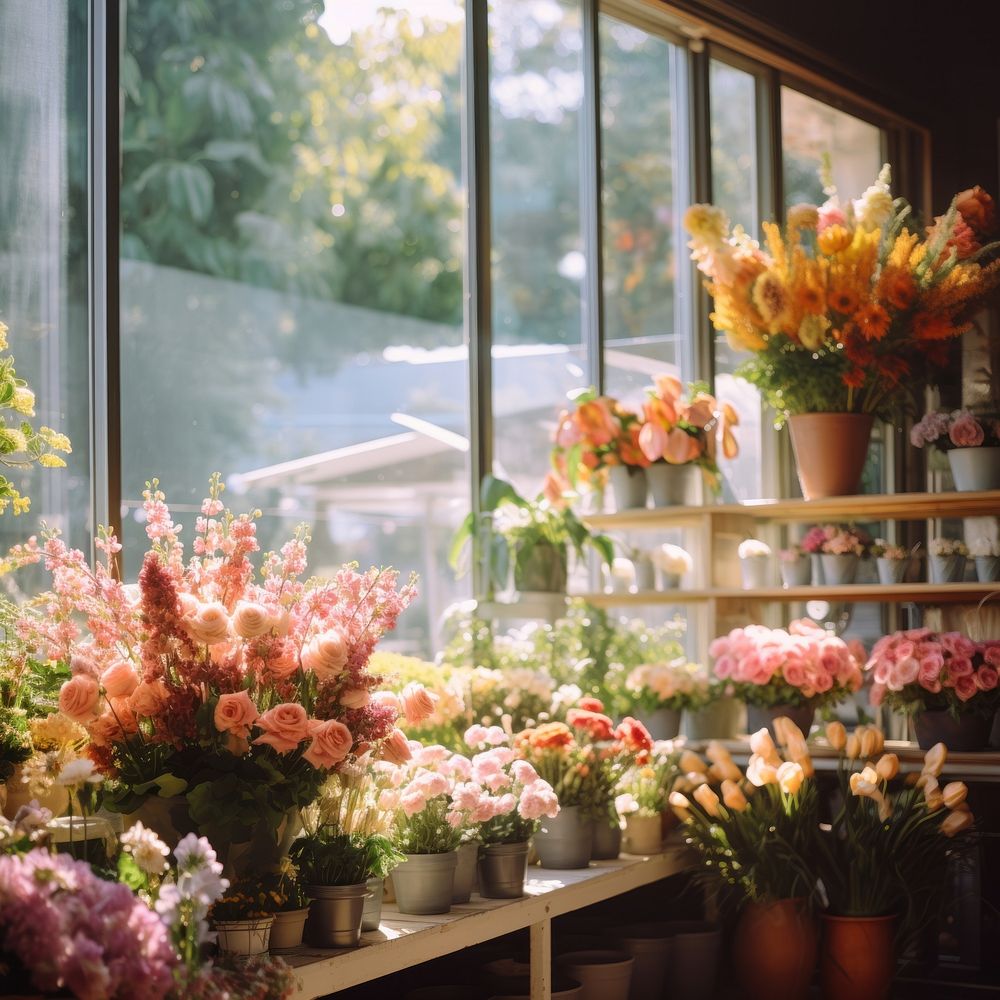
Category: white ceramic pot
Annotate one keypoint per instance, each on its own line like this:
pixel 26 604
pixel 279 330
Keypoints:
pixel 797 573
pixel 755 572
pixel 975 468
pixel 244 937
pixel 839 570
pixel 946 569
pixel 287 929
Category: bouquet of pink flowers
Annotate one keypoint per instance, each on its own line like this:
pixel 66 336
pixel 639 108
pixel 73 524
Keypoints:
pixel 921 669
pixel 842 542
pixel 958 429
pixel 203 682
pixel 804 663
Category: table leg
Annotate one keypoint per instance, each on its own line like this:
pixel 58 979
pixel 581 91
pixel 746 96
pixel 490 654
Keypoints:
pixel 541 960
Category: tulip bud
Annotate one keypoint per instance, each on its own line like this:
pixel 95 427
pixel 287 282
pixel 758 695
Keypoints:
pixel 696 779
pixel 934 759
pixel 787 732
pixel 733 797
pixel 717 753
pixel 836 735
pixel 790 777
pixel 707 799
pixel 681 784
pixel 869 742
pixel 805 762
pixel 933 798
pixel 728 771
pixel 680 805
pixel 778 727
pixel 853 747
pixel 854 780
pixel 888 766
pixel 956 822
pixel 760 773
pixel 869 774
pixel 690 761
pixel 763 746
pixel 796 746
pixel 954 793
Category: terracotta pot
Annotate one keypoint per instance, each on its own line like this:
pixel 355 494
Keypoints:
pixel 830 451
pixel 774 951
pixel 857 961
pixel 969 732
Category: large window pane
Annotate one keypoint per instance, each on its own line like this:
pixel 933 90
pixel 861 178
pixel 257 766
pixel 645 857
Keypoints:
pixel 640 201
pixel 44 288
pixel 291 281
pixel 539 266
pixel 734 188
pixel 810 129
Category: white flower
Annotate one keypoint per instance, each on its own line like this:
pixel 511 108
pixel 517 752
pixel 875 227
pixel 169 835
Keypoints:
pixel 983 548
pixel 77 773
pixel 753 548
pixel 565 696
pixel 626 803
pixel 148 851
pixel 947 547
pixel 671 559
pixel 194 853
pixel 874 208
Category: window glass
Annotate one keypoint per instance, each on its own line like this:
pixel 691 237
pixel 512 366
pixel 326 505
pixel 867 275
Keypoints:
pixel 539 264
pixel 641 206
pixel 734 189
pixel 292 276
pixel 44 257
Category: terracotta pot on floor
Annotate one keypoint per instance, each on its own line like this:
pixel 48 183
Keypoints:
pixel 858 962
pixel 775 950
pixel 830 451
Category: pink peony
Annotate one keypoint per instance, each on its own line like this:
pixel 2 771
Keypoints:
pixel 235 713
pixel 331 743
pixel 285 727
pixel 80 698
pixel 326 655
pixel 119 680
pixel 966 432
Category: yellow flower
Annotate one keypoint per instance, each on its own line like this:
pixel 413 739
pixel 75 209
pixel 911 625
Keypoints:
pixel 836 735
pixel 803 216
pixel 24 401
pixel 3 336
pixel 833 240
pixel 771 299
pixel 790 777
pixel 706 223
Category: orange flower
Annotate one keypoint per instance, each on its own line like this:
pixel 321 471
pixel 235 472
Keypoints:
pixel 629 451
pixel 855 378
pixel 809 299
pixel 899 289
pixel 932 326
pixel 596 422
pixel 833 239
pixel 551 736
pixel 873 321
pixel 843 300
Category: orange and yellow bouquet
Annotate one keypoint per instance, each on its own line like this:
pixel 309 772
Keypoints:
pixel 851 304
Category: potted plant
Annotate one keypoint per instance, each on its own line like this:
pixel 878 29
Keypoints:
pixel 971 442
pixel 944 680
pixel 840 553
pixel 843 312
pixel 243 916
pixel 534 535
pixel 681 436
pixel 986 553
pixel 795 567
pixel 812 546
pixel 754 832
pixel 673 562
pixel 711 711
pixel 890 560
pixel 291 908
pixel 755 558
pixel 642 799
pixel 659 693
pixel 946 557
pixel 780 672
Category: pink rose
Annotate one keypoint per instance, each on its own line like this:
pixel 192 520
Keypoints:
pixel 326 655
pixel 907 671
pixel 354 698
pixel 148 698
pixel 387 699
pixel 794 674
pixel 235 713
pixel 105 730
pixel 119 680
pixel 122 712
pixel 417 702
pixel 965 687
pixel 80 698
pixel 966 432
pixel 285 727
pixel 986 678
pixel 208 624
pixel 992 655
pixel 281 658
pixel 396 748
pixel 930 675
pixel 251 620
pixel 331 743
pixel 960 666
pixel 80 664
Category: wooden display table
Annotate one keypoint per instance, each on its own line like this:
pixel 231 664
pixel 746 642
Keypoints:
pixel 403 941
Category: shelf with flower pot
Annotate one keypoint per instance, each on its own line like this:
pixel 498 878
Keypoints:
pixel 403 941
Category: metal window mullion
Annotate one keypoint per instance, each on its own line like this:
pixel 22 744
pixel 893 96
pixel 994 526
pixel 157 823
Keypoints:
pixel 591 194
pixel 104 188
pixel 478 275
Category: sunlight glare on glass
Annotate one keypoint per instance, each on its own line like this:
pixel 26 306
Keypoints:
pixel 341 18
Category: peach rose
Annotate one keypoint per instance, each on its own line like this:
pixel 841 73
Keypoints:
pixel 387 699
pixel 209 624
pixel 417 702
pixel 355 698
pixel 80 698
pixel 104 730
pixel 122 711
pixel 977 209
pixel 331 743
pixel 326 654
pixel 79 664
pixel 251 620
pixel 396 748
pixel 966 432
pixel 148 698
pixel 282 660
pixel 119 680
pixel 285 727
pixel 235 713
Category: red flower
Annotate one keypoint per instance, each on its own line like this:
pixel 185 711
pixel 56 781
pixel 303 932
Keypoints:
pixel 550 736
pixel 589 704
pixel 634 735
pixel 598 727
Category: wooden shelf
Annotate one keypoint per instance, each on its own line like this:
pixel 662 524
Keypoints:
pixel 922 593
pixel 888 507
pixel 403 941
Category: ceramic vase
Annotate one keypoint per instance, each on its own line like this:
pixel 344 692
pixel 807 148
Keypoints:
pixel 975 468
pixel 830 451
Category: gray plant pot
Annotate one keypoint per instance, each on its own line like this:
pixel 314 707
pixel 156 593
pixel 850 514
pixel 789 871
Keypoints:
pixel 694 959
pixel 606 840
pixel 628 486
pixel 797 573
pixel 988 569
pixel 891 571
pixel 645 573
pixel 651 945
pixel 663 723
pixel 465 872
pixel 839 570
pixel 371 916
pixel 818 579
pixel 946 569
pixel 335 915
pixel 565 841
pixel 975 468
pixel 755 572
pixel 675 485
pixel 502 870
pixel 425 883
pixel 759 717
pixel 720 720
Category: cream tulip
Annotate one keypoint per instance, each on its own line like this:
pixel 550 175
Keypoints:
pixel 790 777
pixel 760 772
pixel 869 742
pixel 887 766
pixel 788 732
pixel 956 822
pixel 805 762
pixel 707 799
pixel 717 753
pixel 695 779
pixel 681 806
pixel 852 748
pixel 763 746
pixel 954 794
pixel 934 759
pixel 836 735
pixel 869 774
pixel 690 761
pixel 733 797
pixel 796 746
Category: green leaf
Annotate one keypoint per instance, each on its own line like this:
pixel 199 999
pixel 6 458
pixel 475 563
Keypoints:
pixel 190 189
pixel 463 533
pixel 495 491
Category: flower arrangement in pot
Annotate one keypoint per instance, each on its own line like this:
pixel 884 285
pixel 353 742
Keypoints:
pixel 660 692
pixel 795 566
pixel 754 832
pixel 845 312
pixel 946 559
pixel 971 442
pixel 891 561
pixel 501 803
pixel 986 553
pixel 534 536
pixel 243 915
pixel 291 907
pixel 786 671
pixel 643 790
pixel 673 562
pixel 944 680
pixel 682 436
pixel 215 699
pixel 755 562
pixel 840 553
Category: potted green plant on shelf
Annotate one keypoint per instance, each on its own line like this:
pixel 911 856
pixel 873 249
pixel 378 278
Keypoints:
pixel 970 440
pixel 291 907
pixel 846 312
pixel 986 553
pixel 891 561
pixel 534 536
pixel 945 681
pixel 643 790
